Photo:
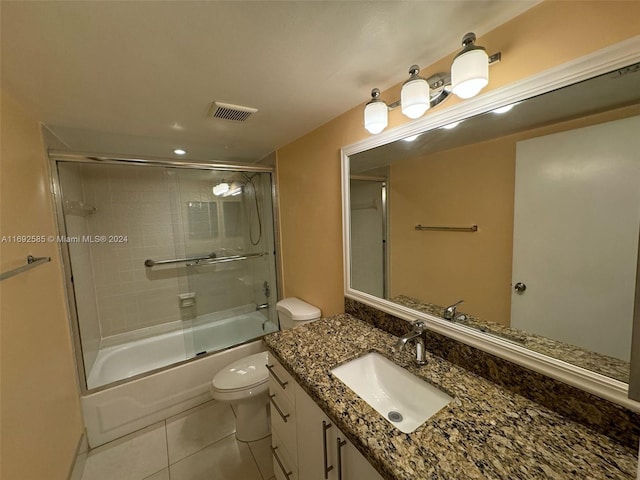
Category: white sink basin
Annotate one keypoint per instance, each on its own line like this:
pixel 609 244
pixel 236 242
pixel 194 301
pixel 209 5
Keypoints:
pixel 399 396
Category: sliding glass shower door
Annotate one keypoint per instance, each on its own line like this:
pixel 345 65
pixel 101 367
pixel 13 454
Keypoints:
pixel 177 261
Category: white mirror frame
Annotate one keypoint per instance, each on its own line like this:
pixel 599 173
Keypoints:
pixel 600 62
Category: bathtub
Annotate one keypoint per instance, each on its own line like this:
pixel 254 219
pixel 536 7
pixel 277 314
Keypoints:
pixel 126 407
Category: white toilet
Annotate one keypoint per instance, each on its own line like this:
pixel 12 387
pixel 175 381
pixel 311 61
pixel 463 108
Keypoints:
pixel 244 383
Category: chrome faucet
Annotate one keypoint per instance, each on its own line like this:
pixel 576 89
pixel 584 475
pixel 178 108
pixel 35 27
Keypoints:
pixel 450 311
pixel 415 334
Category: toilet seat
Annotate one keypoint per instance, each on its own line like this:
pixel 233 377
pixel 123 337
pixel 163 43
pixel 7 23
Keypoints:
pixel 247 376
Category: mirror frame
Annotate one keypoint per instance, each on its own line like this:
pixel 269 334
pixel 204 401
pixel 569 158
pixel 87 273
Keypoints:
pixel 600 62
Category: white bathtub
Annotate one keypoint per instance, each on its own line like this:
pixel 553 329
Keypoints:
pixel 125 408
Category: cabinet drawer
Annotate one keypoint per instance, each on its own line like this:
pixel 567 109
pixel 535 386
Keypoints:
pixel 284 468
pixel 279 379
pixel 283 420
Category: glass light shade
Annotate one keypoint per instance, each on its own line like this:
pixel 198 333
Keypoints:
pixel 376 117
pixel 415 98
pixel 470 73
pixel 221 189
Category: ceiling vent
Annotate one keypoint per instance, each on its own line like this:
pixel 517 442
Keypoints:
pixel 226 111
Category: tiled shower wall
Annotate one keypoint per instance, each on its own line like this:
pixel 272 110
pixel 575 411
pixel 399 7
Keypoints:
pixel 136 202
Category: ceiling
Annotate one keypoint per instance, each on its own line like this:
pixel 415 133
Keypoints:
pixel 138 77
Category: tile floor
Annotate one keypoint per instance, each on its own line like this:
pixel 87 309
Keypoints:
pixel 198 444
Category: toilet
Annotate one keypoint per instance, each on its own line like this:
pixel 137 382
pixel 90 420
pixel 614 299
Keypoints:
pixel 245 383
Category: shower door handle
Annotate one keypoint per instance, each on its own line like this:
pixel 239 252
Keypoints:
pixel 275 376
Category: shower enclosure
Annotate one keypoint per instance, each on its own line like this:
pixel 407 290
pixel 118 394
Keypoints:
pixel 165 261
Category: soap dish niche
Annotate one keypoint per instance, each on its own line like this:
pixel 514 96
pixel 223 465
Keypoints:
pixel 76 207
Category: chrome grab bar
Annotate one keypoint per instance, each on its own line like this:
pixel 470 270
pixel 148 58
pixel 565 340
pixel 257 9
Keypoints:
pixel 150 263
pixel 31 263
pixel 327 468
pixel 273 374
pixel 283 415
pixel 472 228
pixel 230 258
pixel 284 470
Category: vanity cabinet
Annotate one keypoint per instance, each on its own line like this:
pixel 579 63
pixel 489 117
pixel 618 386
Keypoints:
pixel 306 444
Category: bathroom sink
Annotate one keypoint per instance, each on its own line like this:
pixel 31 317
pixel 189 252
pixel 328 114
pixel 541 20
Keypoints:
pixel 399 396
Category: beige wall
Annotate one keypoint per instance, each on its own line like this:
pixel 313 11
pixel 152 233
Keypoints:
pixel 548 35
pixel 40 409
pixel 473 184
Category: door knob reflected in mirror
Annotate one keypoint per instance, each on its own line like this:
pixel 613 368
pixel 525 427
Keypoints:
pixel 520 287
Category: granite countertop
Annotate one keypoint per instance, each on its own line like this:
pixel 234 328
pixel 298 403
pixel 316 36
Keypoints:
pixel 486 432
pixel 596 362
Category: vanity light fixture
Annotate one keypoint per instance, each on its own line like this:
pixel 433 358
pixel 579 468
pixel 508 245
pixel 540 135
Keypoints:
pixel 470 68
pixel 411 138
pixel 469 75
pixel 376 116
pixel 414 97
pixel 451 126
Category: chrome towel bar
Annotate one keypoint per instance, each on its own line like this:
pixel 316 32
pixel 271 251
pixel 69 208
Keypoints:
pixel 472 228
pixel 31 263
pixel 209 259
pixel 230 258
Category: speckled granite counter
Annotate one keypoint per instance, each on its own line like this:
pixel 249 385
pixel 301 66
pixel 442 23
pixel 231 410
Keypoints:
pixel 593 361
pixel 486 432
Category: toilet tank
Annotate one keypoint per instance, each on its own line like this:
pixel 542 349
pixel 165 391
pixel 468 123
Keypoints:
pixel 292 312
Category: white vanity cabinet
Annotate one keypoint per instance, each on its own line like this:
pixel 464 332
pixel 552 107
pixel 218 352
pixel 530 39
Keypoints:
pixel 306 444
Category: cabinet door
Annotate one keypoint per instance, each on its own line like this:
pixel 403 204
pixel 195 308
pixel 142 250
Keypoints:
pixel 314 438
pixel 322 445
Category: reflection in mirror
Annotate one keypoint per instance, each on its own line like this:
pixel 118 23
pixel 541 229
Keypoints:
pixel 553 185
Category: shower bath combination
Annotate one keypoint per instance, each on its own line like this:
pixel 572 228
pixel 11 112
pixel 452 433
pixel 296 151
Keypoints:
pixel 182 276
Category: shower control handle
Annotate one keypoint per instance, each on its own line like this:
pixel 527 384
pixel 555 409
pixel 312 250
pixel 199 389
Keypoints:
pixel 275 376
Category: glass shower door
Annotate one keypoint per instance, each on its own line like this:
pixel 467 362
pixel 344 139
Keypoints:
pixel 229 292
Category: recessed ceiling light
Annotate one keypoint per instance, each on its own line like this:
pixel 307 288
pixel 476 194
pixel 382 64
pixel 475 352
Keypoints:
pixel 411 138
pixel 451 125
pixel 504 109
pixel 179 151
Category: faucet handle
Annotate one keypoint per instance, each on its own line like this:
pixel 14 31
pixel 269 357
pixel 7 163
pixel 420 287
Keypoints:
pixel 419 326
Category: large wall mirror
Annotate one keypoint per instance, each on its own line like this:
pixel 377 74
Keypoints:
pixel 518 225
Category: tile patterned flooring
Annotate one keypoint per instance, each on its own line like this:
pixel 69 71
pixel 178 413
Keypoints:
pixel 198 444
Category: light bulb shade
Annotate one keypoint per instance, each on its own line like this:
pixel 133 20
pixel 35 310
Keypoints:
pixel 470 73
pixel 414 98
pixel 221 189
pixel 376 116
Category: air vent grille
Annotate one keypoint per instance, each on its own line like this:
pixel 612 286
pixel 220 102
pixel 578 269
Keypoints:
pixel 226 111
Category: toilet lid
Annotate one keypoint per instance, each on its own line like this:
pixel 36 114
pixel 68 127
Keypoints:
pixel 246 372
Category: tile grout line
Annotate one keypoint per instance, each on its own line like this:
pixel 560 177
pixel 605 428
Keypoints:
pixel 254 459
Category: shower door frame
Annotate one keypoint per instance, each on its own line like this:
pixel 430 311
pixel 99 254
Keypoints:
pixel 109 159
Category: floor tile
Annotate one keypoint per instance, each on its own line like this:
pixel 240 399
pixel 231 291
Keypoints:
pixel 198 428
pixel 132 457
pixel 261 451
pixel 161 475
pixel 227 459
